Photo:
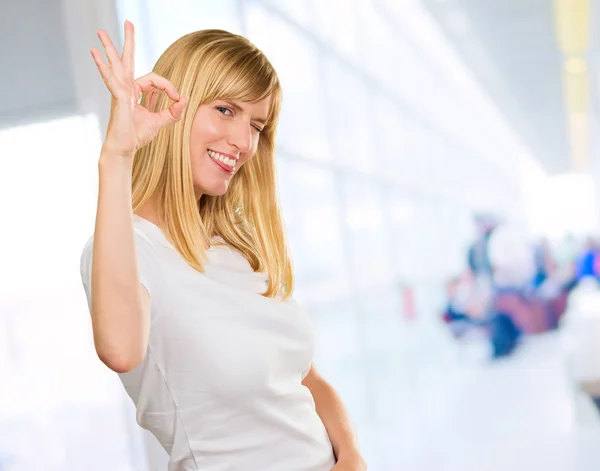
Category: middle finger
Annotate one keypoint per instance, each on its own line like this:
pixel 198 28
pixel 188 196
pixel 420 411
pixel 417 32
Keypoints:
pixel 111 52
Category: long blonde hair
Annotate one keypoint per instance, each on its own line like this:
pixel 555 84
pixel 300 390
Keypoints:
pixel 205 66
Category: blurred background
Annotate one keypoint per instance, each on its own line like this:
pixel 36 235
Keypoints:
pixel 439 167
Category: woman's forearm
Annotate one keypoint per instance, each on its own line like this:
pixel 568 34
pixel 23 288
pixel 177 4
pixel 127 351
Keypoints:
pixel 336 419
pixel 118 317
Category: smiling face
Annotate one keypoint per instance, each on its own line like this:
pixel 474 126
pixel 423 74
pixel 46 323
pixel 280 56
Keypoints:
pixel 224 136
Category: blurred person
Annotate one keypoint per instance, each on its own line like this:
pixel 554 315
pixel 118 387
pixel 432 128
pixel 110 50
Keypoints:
pixel 544 262
pixel 534 309
pixel 476 293
pixel 188 274
pixel 565 254
pixel 458 304
pixel 549 281
pixel 511 257
pixel 469 309
pixel 587 263
pixel 478 253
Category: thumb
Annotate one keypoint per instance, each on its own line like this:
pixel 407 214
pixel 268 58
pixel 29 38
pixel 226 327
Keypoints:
pixel 172 114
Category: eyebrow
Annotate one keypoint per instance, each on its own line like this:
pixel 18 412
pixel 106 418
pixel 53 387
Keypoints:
pixel 239 109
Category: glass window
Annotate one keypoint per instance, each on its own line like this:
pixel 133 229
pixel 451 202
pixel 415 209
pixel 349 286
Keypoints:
pixel 388 337
pixel 303 12
pixel 159 24
pixel 389 57
pixel 418 257
pixel 391 135
pixel 302 125
pixel 456 222
pixel 313 225
pixel 338 24
pixel 350 115
pixel 401 214
pixel 382 324
pixel 445 165
pixel 339 353
pixel 77 421
pixel 378 40
pixel 369 240
pixel 419 157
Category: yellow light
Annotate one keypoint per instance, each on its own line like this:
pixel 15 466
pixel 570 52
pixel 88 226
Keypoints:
pixel 575 65
pixel 572 21
pixel 576 85
pixel 572 18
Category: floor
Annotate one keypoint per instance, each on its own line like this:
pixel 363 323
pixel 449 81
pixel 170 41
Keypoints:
pixel 470 414
pixel 429 405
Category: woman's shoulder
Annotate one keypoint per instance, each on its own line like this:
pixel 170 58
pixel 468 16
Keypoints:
pixel 146 235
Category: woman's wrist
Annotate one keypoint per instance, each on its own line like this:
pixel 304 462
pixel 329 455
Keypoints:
pixel 109 153
pixel 111 159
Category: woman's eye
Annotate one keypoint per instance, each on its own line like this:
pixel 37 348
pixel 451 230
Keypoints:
pixel 258 129
pixel 224 110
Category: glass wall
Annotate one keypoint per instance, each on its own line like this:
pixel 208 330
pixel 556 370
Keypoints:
pixel 386 147
pixel 56 397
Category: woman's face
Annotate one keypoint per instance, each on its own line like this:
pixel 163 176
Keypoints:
pixel 224 136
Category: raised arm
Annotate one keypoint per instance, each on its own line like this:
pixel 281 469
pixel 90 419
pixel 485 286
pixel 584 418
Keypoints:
pixel 120 305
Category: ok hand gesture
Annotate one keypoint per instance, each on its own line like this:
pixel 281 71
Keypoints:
pixel 131 126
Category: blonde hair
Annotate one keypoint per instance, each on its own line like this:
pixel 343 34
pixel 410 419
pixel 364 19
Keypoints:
pixel 205 66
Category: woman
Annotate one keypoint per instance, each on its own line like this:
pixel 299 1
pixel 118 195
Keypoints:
pixel 188 276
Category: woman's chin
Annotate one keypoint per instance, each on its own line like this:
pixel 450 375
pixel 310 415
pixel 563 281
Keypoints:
pixel 217 188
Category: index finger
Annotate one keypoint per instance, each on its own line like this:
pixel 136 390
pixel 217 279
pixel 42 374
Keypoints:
pixel 128 56
pixel 153 80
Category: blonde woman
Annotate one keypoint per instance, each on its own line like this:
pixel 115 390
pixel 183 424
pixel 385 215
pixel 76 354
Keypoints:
pixel 188 274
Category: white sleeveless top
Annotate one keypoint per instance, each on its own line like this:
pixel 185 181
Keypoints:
pixel 220 385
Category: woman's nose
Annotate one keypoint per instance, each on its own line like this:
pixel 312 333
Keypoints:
pixel 241 136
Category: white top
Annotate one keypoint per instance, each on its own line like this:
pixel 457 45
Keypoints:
pixel 220 385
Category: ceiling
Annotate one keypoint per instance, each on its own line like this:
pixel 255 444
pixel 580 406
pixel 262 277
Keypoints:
pixel 511 47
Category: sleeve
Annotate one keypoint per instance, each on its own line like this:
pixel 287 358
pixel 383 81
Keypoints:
pixel 147 259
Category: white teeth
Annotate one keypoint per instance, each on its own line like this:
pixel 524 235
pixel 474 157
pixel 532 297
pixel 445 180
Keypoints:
pixel 222 158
